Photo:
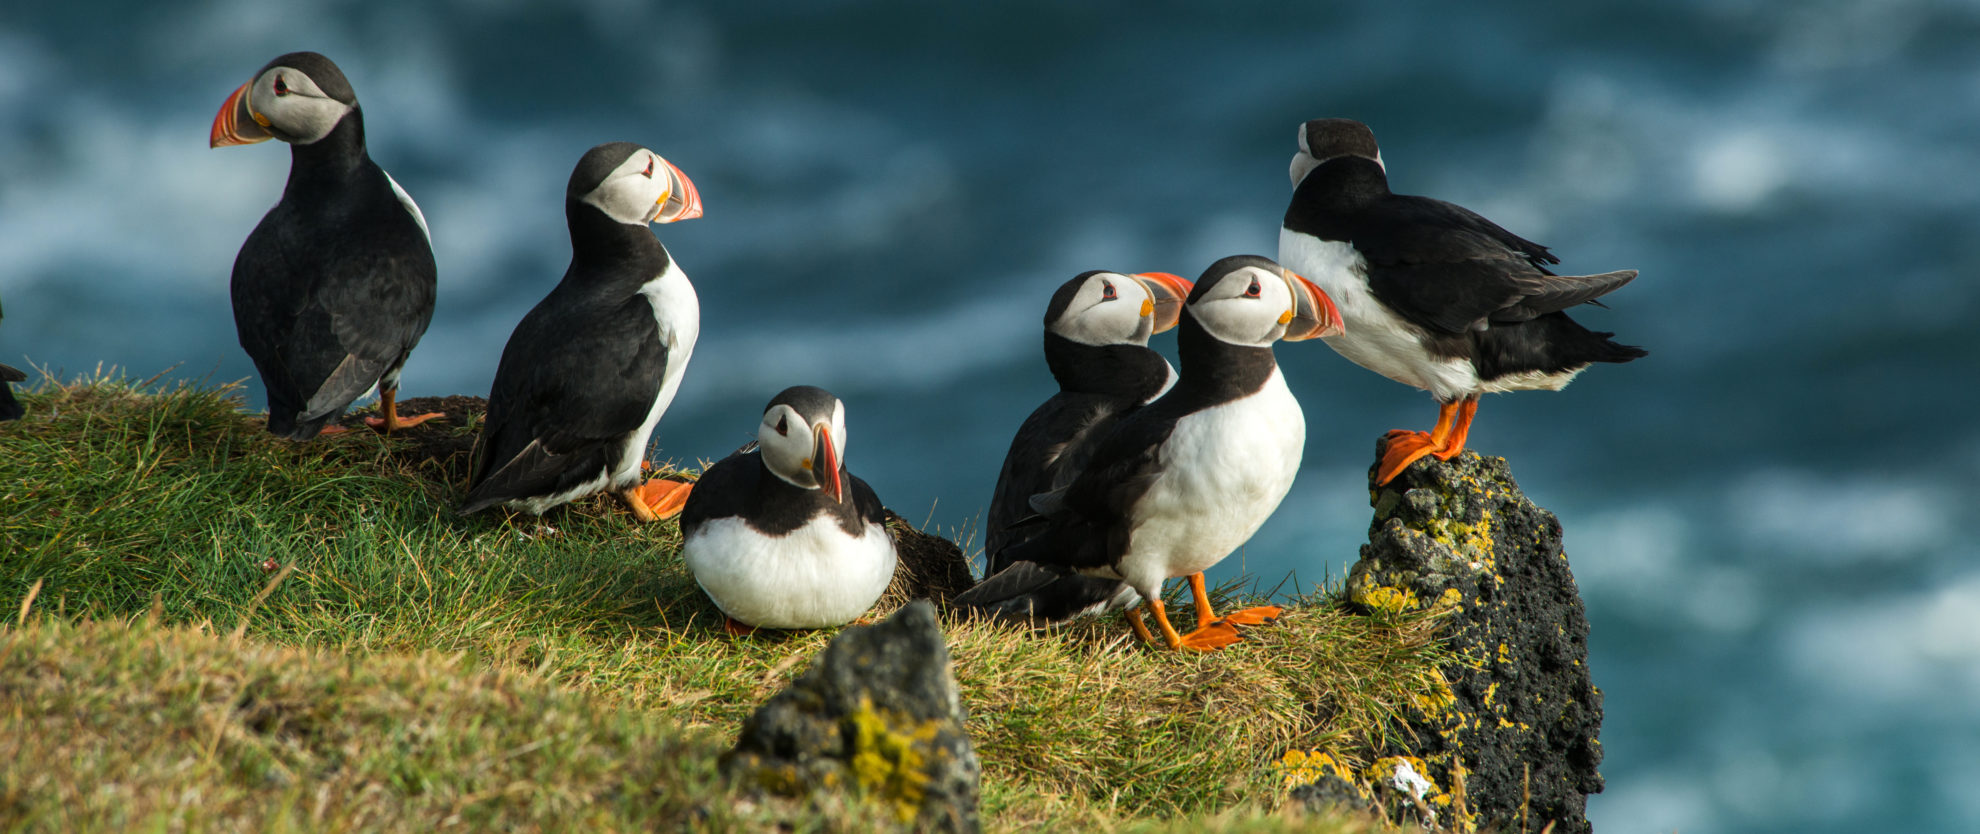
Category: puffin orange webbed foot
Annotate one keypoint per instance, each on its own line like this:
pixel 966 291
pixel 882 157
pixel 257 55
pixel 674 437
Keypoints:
pixel 660 497
pixel 1253 616
pixel 381 424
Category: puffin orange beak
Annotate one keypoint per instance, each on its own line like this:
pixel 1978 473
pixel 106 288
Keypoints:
pixel 1314 314
pixel 683 201
pixel 1170 291
pixel 235 123
pixel 825 462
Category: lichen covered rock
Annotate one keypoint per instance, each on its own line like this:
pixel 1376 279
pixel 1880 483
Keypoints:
pixel 1517 739
pixel 878 713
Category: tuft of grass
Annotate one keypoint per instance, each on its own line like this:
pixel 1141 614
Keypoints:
pixel 129 501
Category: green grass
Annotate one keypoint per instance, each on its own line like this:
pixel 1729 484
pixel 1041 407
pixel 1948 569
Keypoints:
pixel 164 508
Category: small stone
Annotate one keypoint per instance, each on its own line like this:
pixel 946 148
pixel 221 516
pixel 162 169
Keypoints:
pixel 878 712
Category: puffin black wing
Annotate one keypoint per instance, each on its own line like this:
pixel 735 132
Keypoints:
pixel 1051 447
pixel 1088 523
pixel 1028 593
pixel 1447 269
pixel 10 408
pixel 865 501
pixel 723 490
pixel 572 384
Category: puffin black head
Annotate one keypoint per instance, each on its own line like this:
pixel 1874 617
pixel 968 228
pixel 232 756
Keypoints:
pixel 1250 300
pixel 1324 139
pixel 803 439
pixel 633 185
pixel 297 98
pixel 1108 308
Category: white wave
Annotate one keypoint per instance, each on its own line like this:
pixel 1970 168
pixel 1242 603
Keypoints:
pixel 1831 519
pixel 1917 651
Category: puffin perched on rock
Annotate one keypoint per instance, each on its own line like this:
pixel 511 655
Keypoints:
pixel 335 287
pixel 588 372
pixel 1180 483
pixel 1097 327
pixel 1432 294
pixel 780 534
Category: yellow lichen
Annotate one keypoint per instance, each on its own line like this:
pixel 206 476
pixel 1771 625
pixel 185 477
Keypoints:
pixel 1302 767
pixel 888 763
pixel 1385 598
pixel 1438 699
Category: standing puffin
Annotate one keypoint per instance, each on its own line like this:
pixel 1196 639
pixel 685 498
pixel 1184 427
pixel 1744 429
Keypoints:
pixel 782 535
pixel 1185 480
pixel 588 372
pixel 1433 295
pixel 1096 345
pixel 335 286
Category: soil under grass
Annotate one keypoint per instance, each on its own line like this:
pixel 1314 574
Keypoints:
pixel 427 653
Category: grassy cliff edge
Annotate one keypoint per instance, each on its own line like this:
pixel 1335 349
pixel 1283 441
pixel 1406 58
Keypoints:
pixel 222 630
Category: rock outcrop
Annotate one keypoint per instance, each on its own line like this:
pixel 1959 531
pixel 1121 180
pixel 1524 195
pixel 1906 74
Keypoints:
pixel 877 713
pixel 1514 748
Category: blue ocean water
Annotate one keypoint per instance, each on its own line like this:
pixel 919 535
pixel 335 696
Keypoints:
pixel 1772 517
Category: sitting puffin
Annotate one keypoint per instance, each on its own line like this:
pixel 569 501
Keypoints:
pixel 780 534
pixel 588 372
pixel 1433 295
pixel 1096 345
pixel 1180 483
pixel 335 286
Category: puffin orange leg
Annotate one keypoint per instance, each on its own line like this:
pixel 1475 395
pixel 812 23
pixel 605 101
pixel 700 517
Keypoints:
pixel 1208 638
pixel 657 499
pixel 1467 408
pixel 1140 628
pixel 1202 595
pixel 1401 448
pixel 332 430
pixel 737 628
pixel 392 422
pixel 1204 616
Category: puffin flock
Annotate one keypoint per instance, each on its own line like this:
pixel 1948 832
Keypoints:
pixel 1135 473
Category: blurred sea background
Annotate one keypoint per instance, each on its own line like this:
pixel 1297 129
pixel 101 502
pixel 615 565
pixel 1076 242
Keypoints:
pixel 1775 518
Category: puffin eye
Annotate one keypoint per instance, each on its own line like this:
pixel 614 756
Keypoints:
pixel 784 426
pixel 281 86
pixel 649 168
pixel 1252 291
pixel 1107 294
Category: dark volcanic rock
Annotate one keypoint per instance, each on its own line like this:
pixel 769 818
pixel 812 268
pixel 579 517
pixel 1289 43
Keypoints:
pixel 878 712
pixel 1523 717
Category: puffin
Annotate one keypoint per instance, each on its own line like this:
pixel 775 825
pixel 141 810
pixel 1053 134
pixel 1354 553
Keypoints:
pixel 1433 295
pixel 591 368
pixel 1182 482
pixel 10 408
pixel 335 286
pixel 780 534
pixel 1097 327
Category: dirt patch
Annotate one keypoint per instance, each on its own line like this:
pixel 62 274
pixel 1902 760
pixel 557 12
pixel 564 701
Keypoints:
pixel 441 448
pixel 930 567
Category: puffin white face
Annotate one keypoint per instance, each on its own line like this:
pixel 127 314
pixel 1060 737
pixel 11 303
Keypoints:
pixel 646 189
pixel 805 452
pixel 1304 162
pixel 1114 309
pixel 281 103
pixel 1255 302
